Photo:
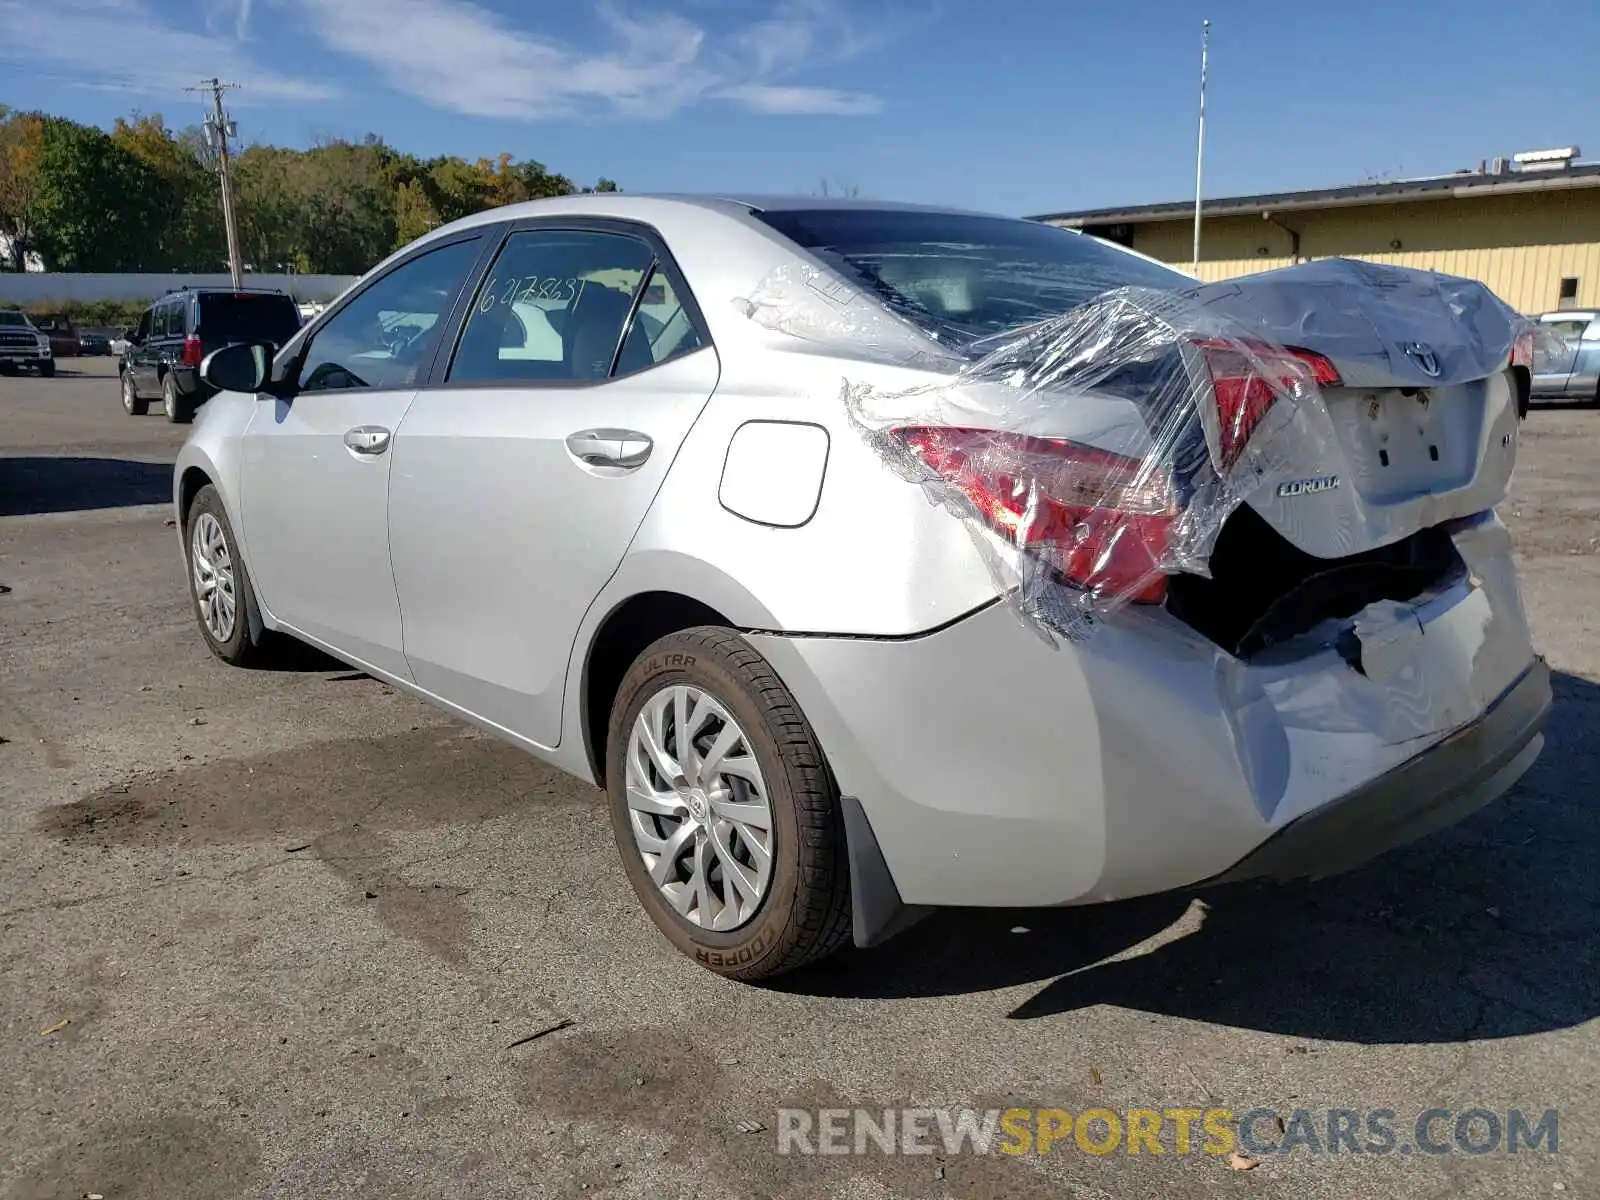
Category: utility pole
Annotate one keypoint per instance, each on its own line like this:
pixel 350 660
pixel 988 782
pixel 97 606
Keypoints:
pixel 218 130
pixel 1200 153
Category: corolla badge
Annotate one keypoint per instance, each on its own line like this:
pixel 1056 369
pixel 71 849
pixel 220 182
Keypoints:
pixel 1423 355
pixel 1308 487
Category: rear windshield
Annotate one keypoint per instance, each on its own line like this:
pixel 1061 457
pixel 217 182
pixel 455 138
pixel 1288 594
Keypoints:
pixel 972 276
pixel 231 318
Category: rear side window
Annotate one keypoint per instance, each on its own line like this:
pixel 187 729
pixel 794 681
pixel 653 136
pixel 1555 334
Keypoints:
pixel 961 276
pixel 246 318
pixel 554 308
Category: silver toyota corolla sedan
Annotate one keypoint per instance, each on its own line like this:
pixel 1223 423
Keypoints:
pixel 871 564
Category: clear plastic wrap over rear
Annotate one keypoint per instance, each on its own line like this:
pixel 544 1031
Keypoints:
pixel 1096 452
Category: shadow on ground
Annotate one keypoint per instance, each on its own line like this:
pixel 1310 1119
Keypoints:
pixel 1487 930
pixel 50 484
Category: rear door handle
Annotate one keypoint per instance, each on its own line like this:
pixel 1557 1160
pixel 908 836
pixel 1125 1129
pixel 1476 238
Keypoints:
pixel 367 439
pixel 623 448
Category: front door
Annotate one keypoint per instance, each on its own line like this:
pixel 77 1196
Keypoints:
pixel 315 465
pixel 1553 361
pixel 520 480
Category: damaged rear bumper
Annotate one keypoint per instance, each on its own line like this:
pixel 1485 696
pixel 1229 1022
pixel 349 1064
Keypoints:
pixel 1442 785
pixel 991 770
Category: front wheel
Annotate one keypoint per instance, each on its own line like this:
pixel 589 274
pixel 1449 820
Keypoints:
pixel 724 809
pixel 219 585
pixel 47 370
pixel 131 404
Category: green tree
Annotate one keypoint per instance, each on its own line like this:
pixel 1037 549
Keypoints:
pixel 188 234
pixel 21 140
pixel 95 201
pixel 414 213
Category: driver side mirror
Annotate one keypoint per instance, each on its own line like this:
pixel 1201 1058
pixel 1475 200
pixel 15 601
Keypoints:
pixel 244 367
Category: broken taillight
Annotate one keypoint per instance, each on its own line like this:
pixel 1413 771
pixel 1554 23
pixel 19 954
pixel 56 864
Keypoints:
pixel 1102 520
pixel 1248 378
pixel 1522 350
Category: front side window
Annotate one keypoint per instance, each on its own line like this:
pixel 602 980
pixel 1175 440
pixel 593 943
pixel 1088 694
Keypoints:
pixel 383 337
pixel 960 276
pixel 1569 331
pixel 554 308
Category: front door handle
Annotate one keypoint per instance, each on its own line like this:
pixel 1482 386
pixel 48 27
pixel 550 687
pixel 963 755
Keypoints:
pixel 626 449
pixel 367 439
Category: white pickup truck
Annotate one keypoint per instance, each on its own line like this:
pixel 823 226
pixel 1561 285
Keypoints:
pixel 21 345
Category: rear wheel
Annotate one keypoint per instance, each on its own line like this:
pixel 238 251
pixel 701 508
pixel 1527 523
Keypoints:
pixel 724 809
pixel 131 404
pixel 179 410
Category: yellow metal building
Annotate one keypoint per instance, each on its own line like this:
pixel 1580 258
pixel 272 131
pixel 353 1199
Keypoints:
pixel 1531 232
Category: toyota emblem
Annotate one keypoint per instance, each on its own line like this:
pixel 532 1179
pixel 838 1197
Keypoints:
pixel 1422 354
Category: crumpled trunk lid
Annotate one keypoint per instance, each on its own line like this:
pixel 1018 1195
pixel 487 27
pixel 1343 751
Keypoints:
pixel 1423 425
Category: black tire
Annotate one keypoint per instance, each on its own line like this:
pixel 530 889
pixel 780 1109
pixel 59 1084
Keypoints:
pixel 47 370
pixel 178 407
pixel 238 649
pixel 8 368
pixel 805 913
pixel 131 403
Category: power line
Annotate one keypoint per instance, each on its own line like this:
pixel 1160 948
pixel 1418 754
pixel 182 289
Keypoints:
pixel 218 129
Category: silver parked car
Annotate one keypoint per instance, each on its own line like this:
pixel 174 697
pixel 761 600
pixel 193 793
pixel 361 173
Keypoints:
pixel 1567 366
pixel 609 477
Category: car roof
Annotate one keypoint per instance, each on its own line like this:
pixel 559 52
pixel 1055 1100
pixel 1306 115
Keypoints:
pixel 1570 314
pixel 641 205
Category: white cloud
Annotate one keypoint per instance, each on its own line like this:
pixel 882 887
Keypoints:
pixel 123 45
pixel 779 99
pixel 222 15
pixel 460 56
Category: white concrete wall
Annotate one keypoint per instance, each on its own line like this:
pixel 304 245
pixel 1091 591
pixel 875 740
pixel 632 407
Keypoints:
pixel 54 287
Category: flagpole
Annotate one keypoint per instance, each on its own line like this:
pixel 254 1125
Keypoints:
pixel 1200 153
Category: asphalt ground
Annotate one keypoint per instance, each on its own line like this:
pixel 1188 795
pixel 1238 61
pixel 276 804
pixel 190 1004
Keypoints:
pixel 276 933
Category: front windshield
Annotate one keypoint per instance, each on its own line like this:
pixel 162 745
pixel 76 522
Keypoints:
pixel 972 276
pixel 12 318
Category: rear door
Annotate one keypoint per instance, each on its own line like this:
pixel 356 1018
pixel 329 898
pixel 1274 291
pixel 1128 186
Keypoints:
pixel 521 476
pixel 147 353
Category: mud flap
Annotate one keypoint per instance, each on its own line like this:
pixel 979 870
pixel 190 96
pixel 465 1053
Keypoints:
pixel 876 911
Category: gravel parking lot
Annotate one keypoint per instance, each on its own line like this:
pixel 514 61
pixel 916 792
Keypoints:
pixel 279 933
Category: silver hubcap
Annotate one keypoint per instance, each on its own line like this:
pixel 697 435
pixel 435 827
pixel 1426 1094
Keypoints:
pixel 699 809
pixel 167 399
pixel 127 393
pixel 213 577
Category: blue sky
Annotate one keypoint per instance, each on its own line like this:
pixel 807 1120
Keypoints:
pixel 1017 106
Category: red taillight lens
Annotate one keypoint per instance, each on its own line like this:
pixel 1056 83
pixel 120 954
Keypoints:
pixel 1248 379
pixel 191 352
pixel 1103 520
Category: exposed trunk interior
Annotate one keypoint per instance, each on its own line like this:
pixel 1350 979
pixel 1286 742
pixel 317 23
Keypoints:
pixel 1263 590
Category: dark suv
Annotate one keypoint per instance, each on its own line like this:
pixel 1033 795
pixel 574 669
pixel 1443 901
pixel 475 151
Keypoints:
pixel 177 332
